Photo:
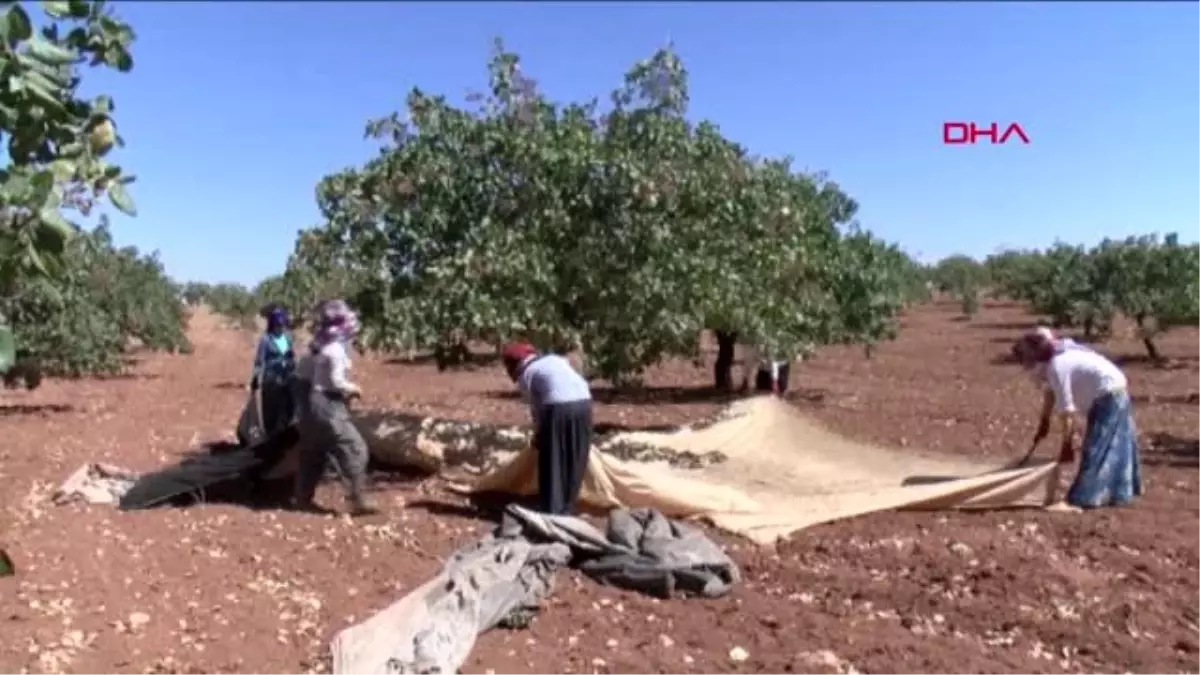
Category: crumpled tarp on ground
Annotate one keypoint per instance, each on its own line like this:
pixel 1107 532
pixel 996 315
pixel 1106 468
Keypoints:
pixel 215 472
pixel 782 472
pixel 508 573
pixel 96 483
pixel 643 550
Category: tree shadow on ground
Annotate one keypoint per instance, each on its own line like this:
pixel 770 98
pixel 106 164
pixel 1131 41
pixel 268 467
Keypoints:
pixel 1004 304
pixel 642 395
pixel 486 507
pixel 382 475
pixel 473 361
pixel 1009 339
pixel 1167 399
pixel 1008 325
pixel 1144 361
pixel 117 377
pixel 16 409
pixel 662 395
pixel 1167 449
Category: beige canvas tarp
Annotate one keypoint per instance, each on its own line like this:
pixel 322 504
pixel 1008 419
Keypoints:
pixel 782 473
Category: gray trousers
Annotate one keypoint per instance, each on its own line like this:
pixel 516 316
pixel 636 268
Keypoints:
pixel 327 432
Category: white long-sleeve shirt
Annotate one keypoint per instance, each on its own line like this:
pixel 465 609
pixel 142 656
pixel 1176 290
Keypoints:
pixel 328 369
pixel 1080 376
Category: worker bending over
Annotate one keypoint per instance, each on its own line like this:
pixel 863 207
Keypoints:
pixel 560 403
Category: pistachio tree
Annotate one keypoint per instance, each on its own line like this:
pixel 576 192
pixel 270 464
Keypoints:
pixel 56 139
pixel 102 301
pixel 621 226
pixel 1153 281
pixel 1150 279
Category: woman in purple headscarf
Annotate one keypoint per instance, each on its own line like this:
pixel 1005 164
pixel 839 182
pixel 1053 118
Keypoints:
pixel 274 366
pixel 326 429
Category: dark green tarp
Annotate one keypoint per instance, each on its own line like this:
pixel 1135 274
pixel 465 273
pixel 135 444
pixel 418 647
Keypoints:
pixel 221 472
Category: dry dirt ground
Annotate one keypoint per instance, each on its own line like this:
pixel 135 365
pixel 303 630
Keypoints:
pixel 224 589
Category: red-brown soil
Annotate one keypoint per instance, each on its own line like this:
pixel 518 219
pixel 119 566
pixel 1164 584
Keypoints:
pixel 223 589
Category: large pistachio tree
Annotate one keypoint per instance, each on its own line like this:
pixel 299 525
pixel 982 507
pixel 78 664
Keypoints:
pixel 623 227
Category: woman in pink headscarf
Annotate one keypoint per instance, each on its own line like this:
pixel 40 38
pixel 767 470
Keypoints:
pixel 1078 380
pixel 326 429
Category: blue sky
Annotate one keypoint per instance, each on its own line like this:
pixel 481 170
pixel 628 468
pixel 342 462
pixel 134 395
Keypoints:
pixel 235 110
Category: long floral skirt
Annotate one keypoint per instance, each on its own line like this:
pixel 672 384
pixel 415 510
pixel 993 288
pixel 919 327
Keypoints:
pixel 1110 471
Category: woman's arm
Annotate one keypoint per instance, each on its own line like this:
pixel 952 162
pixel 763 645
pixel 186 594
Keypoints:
pixel 260 358
pixel 1043 428
pixel 1065 403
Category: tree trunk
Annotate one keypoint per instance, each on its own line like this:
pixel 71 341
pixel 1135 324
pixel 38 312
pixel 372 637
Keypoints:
pixel 1152 349
pixel 1147 339
pixel 723 368
pixel 451 355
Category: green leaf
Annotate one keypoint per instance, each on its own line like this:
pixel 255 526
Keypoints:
pixel 52 220
pixel 17 26
pixel 50 53
pixel 35 260
pixel 121 199
pixel 80 9
pixel 41 185
pixel 59 9
pixel 62 169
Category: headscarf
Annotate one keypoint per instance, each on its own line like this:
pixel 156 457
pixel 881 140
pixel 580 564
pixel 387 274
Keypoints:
pixel 1061 344
pixel 516 355
pixel 1035 348
pixel 277 319
pixel 334 322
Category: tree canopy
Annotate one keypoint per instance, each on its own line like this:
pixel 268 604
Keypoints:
pixel 626 228
pixel 1153 280
pixel 70 301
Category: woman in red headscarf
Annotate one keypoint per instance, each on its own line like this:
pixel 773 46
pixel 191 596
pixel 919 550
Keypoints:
pixel 1078 380
pixel 560 403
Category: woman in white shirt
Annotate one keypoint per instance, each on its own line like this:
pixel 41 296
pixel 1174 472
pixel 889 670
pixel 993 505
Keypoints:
pixel 1077 380
pixel 326 429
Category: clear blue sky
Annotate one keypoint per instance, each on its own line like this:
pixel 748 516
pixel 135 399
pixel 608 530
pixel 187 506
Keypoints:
pixel 235 110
